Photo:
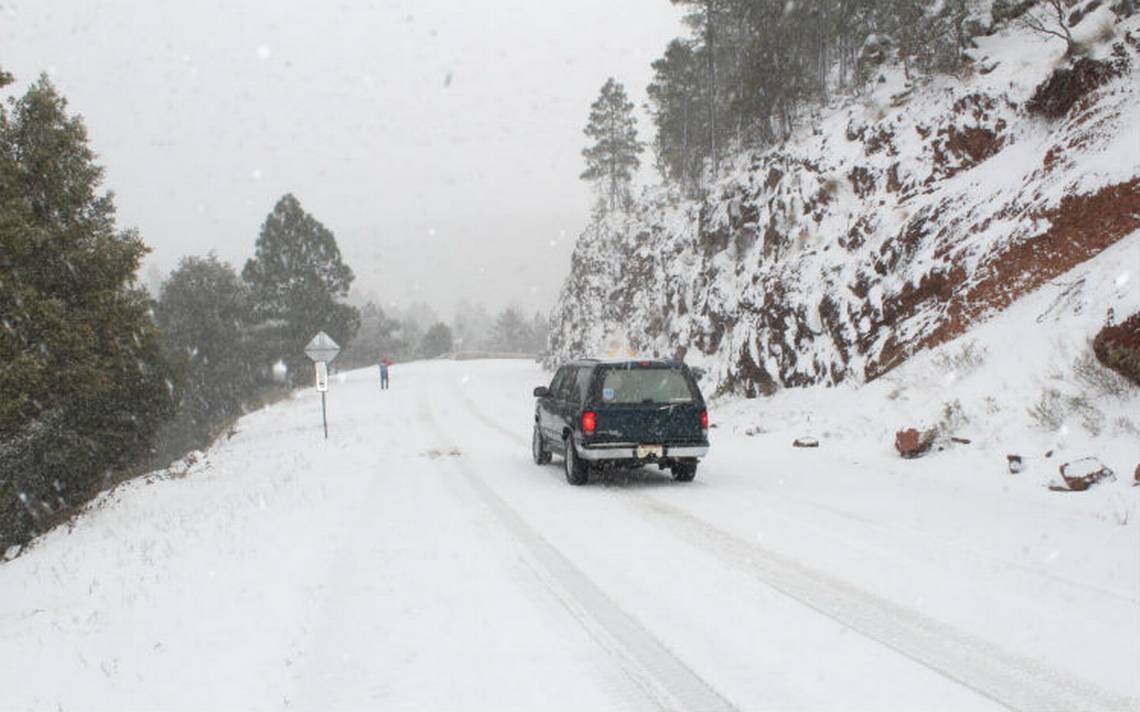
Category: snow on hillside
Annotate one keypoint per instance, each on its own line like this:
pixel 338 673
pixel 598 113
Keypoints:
pixel 897 221
pixel 1007 387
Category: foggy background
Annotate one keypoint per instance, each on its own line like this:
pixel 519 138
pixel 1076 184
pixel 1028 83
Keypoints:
pixel 440 140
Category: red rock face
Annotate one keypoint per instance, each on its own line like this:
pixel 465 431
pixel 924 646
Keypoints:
pixel 1057 96
pixel 1082 227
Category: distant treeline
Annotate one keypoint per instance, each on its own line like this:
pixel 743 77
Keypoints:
pixel 416 332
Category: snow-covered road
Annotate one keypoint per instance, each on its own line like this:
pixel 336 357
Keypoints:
pixel 418 559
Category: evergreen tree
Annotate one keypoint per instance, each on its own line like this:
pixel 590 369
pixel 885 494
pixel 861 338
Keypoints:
pixel 707 17
pixel 676 108
pixel 83 385
pixel 377 338
pixel 613 156
pixel 511 331
pixel 436 341
pixel 203 313
pixel 296 278
pixel 540 333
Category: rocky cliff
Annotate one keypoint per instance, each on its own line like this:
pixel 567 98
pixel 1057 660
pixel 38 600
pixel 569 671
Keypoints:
pixel 897 219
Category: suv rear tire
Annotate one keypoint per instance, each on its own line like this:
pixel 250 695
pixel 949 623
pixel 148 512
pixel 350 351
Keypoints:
pixel 684 471
pixel 577 471
pixel 538 448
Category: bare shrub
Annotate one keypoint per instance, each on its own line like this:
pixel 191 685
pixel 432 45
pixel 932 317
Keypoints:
pixel 1100 380
pixel 953 418
pixel 1049 412
pixel 1091 418
pixel 965 359
pixel 1048 20
pixel 1127 426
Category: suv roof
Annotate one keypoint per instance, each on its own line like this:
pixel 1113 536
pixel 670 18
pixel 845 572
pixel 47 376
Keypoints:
pixel 625 361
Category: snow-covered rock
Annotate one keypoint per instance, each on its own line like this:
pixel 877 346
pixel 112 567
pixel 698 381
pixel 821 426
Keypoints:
pixel 1079 475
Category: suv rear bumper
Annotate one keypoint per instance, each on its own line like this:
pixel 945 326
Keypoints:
pixel 629 452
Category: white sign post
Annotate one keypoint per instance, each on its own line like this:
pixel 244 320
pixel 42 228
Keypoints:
pixel 321 350
pixel 322 377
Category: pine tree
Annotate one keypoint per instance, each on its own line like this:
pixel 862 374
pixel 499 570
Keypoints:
pixel 676 107
pixel 203 313
pixel 296 278
pixel 436 341
pixel 710 20
pixel 613 156
pixel 540 333
pixel 377 338
pixel 83 384
pixel 511 331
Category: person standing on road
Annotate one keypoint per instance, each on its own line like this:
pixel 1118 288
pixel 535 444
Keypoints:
pixel 384 374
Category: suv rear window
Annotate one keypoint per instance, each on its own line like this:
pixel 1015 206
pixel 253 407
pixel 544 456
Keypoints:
pixel 645 385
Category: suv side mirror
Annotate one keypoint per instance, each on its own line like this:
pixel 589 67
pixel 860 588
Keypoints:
pixel 542 392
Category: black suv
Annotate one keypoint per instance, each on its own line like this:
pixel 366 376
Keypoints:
pixel 621 414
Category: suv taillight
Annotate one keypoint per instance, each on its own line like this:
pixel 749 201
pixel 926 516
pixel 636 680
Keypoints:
pixel 589 422
pixel 704 420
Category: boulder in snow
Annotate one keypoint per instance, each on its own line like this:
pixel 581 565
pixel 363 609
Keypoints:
pixel 1016 464
pixel 805 442
pixel 1136 477
pixel 1079 475
pixel 911 444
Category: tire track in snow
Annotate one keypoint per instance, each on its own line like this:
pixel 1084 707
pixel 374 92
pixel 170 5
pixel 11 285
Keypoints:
pixel 667 681
pixel 1010 679
pixel 928 541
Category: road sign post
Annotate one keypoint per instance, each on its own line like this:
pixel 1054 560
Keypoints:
pixel 323 387
pixel 321 350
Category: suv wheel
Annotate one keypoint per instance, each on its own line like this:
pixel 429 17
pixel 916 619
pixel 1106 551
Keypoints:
pixel 538 448
pixel 577 471
pixel 684 471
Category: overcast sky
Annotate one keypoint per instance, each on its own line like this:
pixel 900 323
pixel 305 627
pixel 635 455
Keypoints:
pixel 439 139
